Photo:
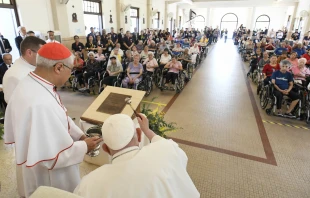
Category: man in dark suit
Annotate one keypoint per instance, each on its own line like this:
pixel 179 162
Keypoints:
pixel 135 35
pixel 5 47
pixel 7 62
pixel 20 38
pixel 92 33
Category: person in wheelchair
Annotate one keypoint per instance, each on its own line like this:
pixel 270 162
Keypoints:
pixel 186 43
pixel 152 46
pixel 113 70
pixel 194 51
pixel 264 60
pixel 174 67
pixel 270 68
pixel 140 46
pixel 99 56
pixel 91 67
pixel 134 72
pixel 253 63
pixel 144 53
pixel 177 50
pixel 78 63
pixel 301 71
pixel 128 59
pixel 150 64
pixel 185 58
pixel 164 58
pixel 283 84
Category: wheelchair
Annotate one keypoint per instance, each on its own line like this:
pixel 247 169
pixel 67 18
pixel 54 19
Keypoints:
pixel 299 108
pixel 265 94
pixel 204 50
pixel 179 83
pixel 146 84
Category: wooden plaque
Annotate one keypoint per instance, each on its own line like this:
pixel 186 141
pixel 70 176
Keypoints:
pixel 112 101
pixel 113 104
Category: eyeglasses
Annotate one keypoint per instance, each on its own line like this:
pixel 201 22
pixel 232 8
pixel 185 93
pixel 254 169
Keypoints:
pixel 64 66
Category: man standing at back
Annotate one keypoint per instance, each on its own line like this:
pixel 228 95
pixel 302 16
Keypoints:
pixel 22 35
pixel 22 66
pixel 48 144
pixel 51 37
pixel 157 170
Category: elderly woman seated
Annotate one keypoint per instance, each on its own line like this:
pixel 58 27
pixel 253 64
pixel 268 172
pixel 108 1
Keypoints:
pixel 128 59
pixel 113 70
pixel 150 63
pixel 293 59
pixel 185 58
pixel 301 71
pixel 144 53
pixel 99 56
pixel 194 51
pixel 78 64
pixel 134 50
pixel 134 72
pixel 177 49
pixel 152 46
pixel 164 59
pixel 174 67
pixel 140 46
pixel 91 67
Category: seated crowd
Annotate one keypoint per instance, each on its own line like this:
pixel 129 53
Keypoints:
pixel 279 60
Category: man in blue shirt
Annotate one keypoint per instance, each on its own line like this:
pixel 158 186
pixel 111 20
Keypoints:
pixel 283 84
pixel 280 50
pixel 300 50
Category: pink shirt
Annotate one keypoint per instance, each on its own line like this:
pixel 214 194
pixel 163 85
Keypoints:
pixel 304 71
pixel 294 62
pixel 151 63
pixel 175 67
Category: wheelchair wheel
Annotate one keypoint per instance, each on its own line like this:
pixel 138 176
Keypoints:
pixel 268 111
pixel 190 71
pixel 180 83
pixel 263 98
pixel 157 78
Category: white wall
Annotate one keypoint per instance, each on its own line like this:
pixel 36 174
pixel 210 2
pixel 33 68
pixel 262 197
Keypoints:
pixel 304 5
pixel 217 14
pixel 172 8
pixel 277 16
pixel 75 28
pixel 142 5
pixel 109 8
pixel 160 6
pixel 198 23
pixel 35 14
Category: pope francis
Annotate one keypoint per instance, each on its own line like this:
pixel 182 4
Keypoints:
pixel 158 170
pixel 48 144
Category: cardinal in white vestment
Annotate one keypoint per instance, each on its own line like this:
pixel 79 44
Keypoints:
pixel 48 144
pixel 158 170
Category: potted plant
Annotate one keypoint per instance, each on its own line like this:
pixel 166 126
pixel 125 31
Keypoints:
pixel 156 120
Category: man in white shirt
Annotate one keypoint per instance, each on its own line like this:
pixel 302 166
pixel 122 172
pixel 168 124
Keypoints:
pixel 51 37
pixel 22 66
pixel 120 51
pixel 272 34
pixel 48 144
pixel 280 35
pixel 158 170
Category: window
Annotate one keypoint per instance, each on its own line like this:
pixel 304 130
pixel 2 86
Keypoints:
pixel 262 22
pixel 156 20
pixel 8 27
pixel 229 22
pixel 134 19
pixel 93 15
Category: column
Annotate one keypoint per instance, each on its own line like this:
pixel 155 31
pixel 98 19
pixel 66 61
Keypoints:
pixel 149 15
pixel 252 18
pixel 166 15
pixel 207 20
pixel 293 19
pixel 120 14
pixel 177 18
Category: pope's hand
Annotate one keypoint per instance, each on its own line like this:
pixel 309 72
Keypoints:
pixel 92 143
pixel 144 125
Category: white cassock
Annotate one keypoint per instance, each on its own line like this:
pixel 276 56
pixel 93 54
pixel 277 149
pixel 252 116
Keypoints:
pixel 47 149
pixel 156 171
pixel 19 70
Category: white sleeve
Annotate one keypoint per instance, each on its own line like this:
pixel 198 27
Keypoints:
pixel 72 156
pixel 9 86
pixel 182 156
pixel 75 131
